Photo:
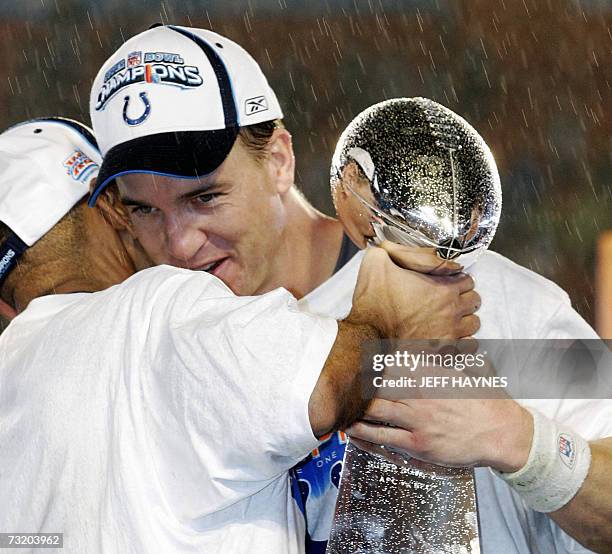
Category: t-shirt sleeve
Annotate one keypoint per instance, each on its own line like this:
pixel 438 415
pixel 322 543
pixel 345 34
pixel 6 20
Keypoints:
pixel 566 323
pixel 228 384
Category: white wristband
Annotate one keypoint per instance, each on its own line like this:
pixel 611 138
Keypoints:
pixel 557 465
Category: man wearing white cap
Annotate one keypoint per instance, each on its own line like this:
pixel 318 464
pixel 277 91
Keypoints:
pixel 160 414
pixel 167 108
pixel 191 133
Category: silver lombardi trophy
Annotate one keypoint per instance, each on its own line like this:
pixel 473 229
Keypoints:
pixel 425 177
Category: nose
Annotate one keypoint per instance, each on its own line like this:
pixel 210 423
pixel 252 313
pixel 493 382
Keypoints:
pixel 183 240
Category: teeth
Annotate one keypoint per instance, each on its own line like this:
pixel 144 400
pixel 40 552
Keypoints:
pixel 209 266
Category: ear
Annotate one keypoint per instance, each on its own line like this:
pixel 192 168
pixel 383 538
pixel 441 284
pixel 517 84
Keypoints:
pixel 348 176
pixel 281 159
pixel 7 311
pixel 355 178
pixel 113 210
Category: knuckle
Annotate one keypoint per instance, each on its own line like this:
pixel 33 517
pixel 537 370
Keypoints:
pixel 377 410
pixel 383 434
pixel 420 443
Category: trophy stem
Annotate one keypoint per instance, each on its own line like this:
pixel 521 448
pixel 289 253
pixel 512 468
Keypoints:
pixel 391 503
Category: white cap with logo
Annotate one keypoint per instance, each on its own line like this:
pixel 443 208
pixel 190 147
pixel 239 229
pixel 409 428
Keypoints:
pixel 171 101
pixel 45 169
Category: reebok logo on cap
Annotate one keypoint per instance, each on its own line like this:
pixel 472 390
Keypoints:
pixel 255 105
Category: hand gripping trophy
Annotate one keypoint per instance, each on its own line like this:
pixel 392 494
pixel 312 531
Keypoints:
pixel 419 175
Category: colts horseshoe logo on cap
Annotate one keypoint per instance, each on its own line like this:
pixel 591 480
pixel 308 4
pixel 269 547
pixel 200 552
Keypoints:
pixel 141 118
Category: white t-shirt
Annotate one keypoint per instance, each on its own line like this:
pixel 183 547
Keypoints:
pixel 516 304
pixel 160 415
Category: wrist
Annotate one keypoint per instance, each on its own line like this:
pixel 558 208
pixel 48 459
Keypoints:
pixel 514 439
pixel 558 464
pixel 366 323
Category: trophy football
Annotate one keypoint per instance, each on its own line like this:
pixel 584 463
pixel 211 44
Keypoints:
pixel 421 176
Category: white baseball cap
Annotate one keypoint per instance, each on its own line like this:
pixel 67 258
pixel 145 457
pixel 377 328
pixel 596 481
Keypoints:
pixel 45 169
pixel 171 101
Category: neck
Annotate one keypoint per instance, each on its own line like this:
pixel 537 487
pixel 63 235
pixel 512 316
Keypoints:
pixel 107 258
pixel 310 247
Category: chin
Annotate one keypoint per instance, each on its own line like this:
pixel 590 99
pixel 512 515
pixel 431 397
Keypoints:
pixel 238 287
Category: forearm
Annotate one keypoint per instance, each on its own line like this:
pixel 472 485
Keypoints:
pixel 588 516
pixel 339 397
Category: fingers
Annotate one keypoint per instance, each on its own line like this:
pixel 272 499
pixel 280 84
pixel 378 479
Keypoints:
pixel 460 282
pixel 467 345
pixel 468 326
pixel 387 411
pixel 382 434
pixel 423 260
pixel 365 445
pixel 469 302
pixel 465 283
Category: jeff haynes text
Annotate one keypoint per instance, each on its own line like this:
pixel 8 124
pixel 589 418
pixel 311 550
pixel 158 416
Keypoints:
pixel 441 381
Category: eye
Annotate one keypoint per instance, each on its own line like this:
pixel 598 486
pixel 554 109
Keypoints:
pixel 141 210
pixel 207 198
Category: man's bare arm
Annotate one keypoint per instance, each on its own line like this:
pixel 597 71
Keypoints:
pixel 338 399
pixel 588 516
pixel 390 302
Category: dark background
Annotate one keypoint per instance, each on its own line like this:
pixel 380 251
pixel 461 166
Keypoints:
pixel 533 76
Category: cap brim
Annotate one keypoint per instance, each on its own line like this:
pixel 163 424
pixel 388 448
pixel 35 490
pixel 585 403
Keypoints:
pixel 183 154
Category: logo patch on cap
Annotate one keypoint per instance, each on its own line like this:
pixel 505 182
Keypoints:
pixel 255 105
pixel 138 120
pixel 79 166
pixel 134 59
pixel 163 68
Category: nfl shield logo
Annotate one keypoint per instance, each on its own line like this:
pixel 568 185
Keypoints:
pixel 566 450
pixel 134 59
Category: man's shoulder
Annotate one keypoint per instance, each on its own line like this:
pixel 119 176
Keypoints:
pixel 156 281
pixel 333 298
pixel 161 273
pixel 147 289
pixel 519 303
pixel 499 271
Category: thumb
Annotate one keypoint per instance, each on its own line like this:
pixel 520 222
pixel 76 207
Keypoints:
pixel 423 260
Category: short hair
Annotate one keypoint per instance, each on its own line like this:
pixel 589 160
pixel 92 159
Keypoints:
pixel 256 137
pixel 64 241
